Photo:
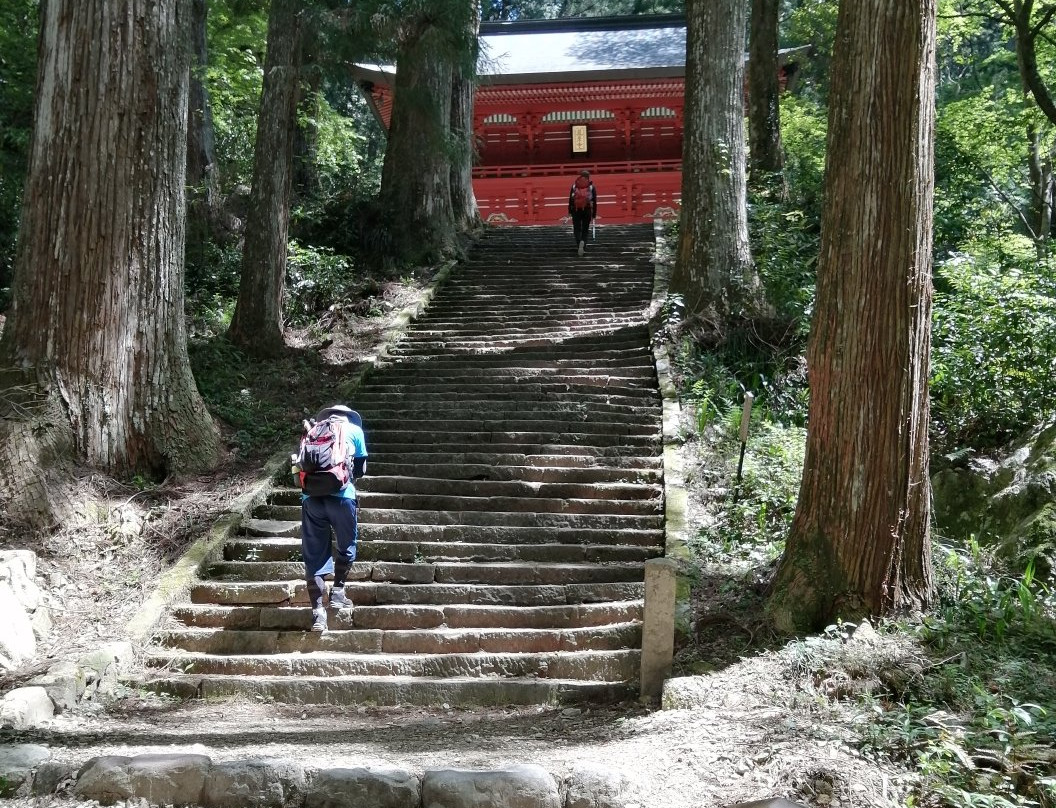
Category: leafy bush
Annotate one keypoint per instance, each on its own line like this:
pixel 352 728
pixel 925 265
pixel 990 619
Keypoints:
pixel 975 725
pixel 994 344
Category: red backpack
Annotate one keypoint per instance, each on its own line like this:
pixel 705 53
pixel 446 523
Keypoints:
pixel 581 196
pixel 322 463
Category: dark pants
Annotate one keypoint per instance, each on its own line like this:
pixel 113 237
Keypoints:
pixel 318 516
pixel 581 224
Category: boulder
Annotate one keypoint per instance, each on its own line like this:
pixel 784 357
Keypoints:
pixel 376 787
pixel 18 643
pixel 254 784
pixel 26 707
pixel 159 779
pixel 1006 501
pixel 17 763
pixel 53 776
pixel 597 786
pixel 526 786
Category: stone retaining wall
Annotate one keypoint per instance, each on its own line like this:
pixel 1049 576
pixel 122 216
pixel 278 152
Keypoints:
pixel 196 780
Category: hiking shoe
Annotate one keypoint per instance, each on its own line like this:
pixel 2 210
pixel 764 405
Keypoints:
pixel 319 620
pixel 339 600
pixel 581 246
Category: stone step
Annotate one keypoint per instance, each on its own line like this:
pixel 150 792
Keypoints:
pixel 609 455
pixel 443 535
pixel 411 436
pixel 374 593
pixel 565 352
pixel 504 573
pixel 492 361
pixel 401 641
pixel 511 462
pixel 587 374
pixel 374 502
pixel 503 400
pixel 407 618
pixel 288 548
pixel 589 666
pixel 452 425
pixel 481 519
pixel 394 690
pixel 510 409
pixel 535 474
pixel 636 390
pixel 433 486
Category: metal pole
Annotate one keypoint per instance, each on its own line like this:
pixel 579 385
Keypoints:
pixel 746 418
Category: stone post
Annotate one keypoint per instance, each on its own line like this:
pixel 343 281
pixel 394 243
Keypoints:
pixel 658 626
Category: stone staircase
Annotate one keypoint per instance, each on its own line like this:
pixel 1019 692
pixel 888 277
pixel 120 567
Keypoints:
pixel 514 492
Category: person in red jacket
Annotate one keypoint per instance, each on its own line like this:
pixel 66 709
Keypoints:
pixel 582 207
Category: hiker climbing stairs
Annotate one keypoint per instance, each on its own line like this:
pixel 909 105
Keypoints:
pixel 514 492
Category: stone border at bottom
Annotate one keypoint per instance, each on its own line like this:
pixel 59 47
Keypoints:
pixel 196 780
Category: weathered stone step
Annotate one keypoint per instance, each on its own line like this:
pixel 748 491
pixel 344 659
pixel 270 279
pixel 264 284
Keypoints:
pixel 491 519
pixel 590 459
pixel 369 500
pixel 534 474
pixel 402 641
pixel 486 362
pixel 570 375
pixel 392 690
pixel 646 444
pixel 373 593
pixel 382 484
pixel 504 399
pixel 590 666
pixel 259 549
pixel 513 409
pixel 401 617
pixel 454 534
pixel 395 426
pixel 607 455
pixel 445 572
pixel 575 325
pixel 566 351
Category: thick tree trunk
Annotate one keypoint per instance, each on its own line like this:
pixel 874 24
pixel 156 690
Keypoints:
pixel 764 113
pixel 463 201
pixel 714 271
pixel 416 174
pixel 204 209
pixel 257 325
pixel 859 540
pixel 97 316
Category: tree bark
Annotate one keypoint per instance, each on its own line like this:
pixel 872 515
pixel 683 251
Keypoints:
pixel 463 201
pixel 416 173
pixel 858 544
pixel 97 321
pixel 714 271
pixel 764 113
pixel 257 325
pixel 204 214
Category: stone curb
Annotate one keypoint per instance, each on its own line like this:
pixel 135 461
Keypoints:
pixel 666 585
pixel 184 779
pixel 675 498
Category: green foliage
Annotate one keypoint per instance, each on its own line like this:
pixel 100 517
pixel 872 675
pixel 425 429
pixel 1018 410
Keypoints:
pixel 812 22
pixel 316 279
pixel 975 725
pixel 260 401
pixel 18 68
pixel 750 525
pixel 994 344
pixel 235 77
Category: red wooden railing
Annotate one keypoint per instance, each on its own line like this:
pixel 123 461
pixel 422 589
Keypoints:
pixel 627 192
